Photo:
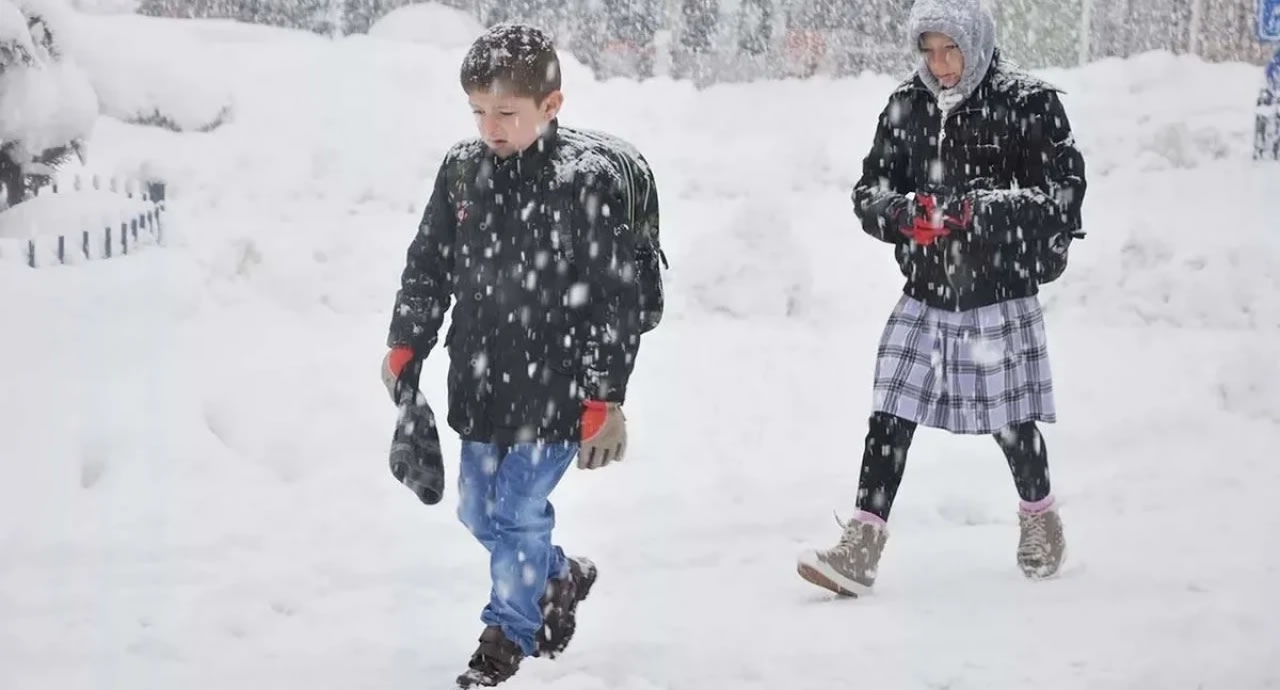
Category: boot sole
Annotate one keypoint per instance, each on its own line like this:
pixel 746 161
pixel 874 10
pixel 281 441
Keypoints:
pixel 824 576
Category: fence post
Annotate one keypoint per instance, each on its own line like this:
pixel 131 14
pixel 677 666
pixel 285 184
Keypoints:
pixel 156 191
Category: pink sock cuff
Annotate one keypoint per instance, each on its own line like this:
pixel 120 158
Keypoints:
pixel 864 516
pixel 1039 506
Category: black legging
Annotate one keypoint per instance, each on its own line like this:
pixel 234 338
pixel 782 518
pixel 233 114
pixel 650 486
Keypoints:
pixel 885 456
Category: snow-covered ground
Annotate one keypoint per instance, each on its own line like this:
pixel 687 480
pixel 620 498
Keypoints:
pixel 193 483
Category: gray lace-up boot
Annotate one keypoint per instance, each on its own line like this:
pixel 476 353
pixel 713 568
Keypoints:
pixel 849 567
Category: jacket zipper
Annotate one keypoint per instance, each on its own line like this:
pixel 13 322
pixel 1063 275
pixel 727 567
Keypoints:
pixel 945 115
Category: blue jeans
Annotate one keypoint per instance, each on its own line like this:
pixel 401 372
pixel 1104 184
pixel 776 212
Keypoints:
pixel 502 499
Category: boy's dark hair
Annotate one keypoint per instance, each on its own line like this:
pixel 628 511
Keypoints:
pixel 517 57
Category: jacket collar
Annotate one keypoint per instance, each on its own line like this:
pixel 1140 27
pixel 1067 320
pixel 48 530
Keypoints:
pixel 532 157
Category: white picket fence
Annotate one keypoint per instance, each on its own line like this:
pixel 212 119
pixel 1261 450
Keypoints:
pixel 129 235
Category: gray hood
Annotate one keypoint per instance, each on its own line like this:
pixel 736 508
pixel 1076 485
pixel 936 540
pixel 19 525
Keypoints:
pixel 969 24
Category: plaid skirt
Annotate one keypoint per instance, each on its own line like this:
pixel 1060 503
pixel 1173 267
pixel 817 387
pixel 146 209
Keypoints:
pixel 968 372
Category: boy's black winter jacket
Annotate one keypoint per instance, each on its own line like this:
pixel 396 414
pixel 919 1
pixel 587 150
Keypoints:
pixel 1010 148
pixel 535 253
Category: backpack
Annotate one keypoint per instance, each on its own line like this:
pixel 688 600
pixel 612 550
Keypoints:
pixel 642 219
pixel 641 200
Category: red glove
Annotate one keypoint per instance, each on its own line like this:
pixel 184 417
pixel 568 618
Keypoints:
pixel 604 434
pixel 930 223
pixel 594 414
pixel 393 365
pixel 926 225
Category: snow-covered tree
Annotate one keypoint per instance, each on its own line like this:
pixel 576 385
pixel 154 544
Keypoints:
pixel 47 105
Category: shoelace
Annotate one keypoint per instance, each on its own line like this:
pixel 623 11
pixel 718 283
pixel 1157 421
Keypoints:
pixel 1037 535
pixel 843 524
pixel 852 533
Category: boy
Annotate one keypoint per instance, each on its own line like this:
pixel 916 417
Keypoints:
pixel 975 179
pixel 545 238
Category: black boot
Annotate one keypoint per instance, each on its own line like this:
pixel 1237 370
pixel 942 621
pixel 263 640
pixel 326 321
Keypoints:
pixel 495 660
pixel 560 607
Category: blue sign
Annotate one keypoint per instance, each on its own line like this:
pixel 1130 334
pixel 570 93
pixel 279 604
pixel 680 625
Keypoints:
pixel 1269 20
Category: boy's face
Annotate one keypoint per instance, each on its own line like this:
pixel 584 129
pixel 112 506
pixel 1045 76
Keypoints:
pixel 944 58
pixel 508 123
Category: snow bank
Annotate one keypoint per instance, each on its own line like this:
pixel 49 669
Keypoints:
pixel 106 6
pixel 145 71
pixel 429 23
pixel 748 266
